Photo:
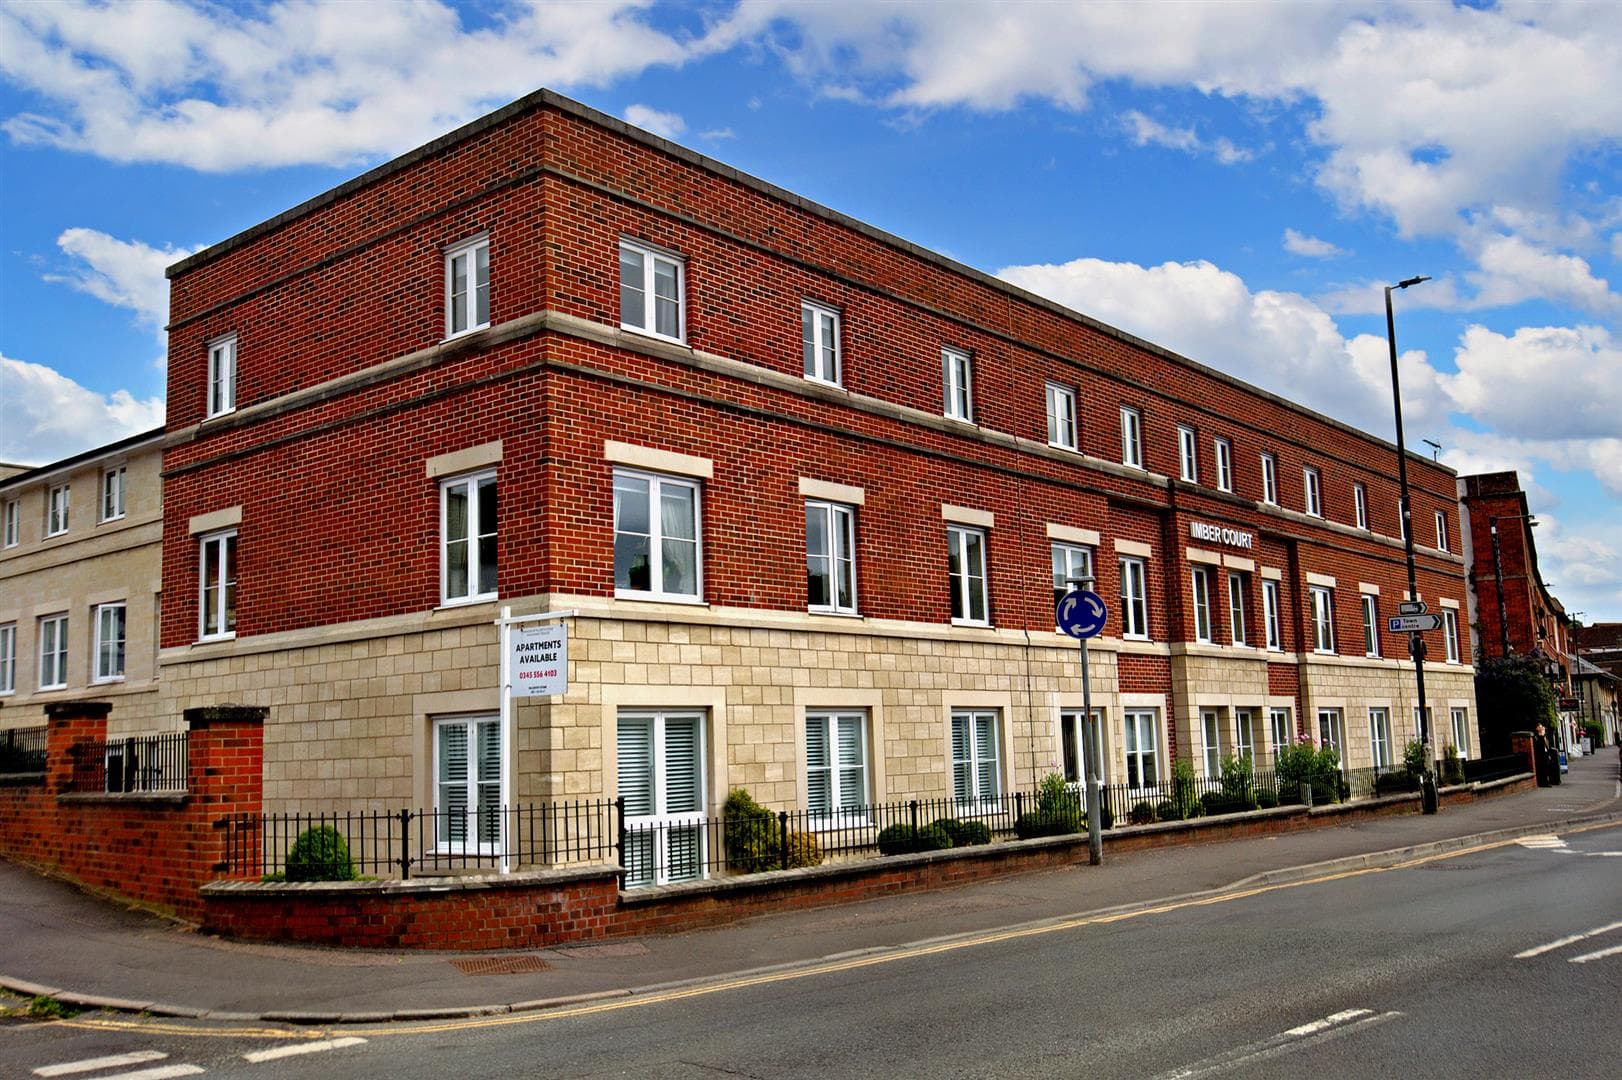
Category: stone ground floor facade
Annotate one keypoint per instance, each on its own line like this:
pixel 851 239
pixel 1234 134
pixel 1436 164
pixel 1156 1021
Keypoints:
pixel 790 707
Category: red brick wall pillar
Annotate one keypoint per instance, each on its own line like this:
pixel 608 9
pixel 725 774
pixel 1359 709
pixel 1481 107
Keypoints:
pixel 69 724
pixel 225 779
pixel 1520 742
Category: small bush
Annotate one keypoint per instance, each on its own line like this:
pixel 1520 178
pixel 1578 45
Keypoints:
pixel 1167 810
pixel 1415 759
pixel 1393 783
pixel 1182 786
pixel 1142 813
pixel 750 833
pixel 904 839
pixel 931 838
pixel 320 854
pixel 1266 798
pixel 1058 823
pixel 803 850
pixel 1452 767
pixel 964 833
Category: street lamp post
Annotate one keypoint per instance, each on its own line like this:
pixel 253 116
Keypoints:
pixel 1416 643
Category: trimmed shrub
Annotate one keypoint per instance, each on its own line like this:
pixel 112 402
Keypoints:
pixel 1142 813
pixel 902 839
pixel 1035 823
pixel 320 854
pixel 1393 783
pixel 964 833
pixel 750 833
pixel 1452 767
pixel 803 850
pixel 1414 758
pixel 931 838
pixel 1167 811
pixel 1182 785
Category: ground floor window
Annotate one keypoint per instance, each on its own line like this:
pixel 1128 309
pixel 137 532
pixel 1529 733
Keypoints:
pixel 1283 731
pixel 1380 737
pixel 835 764
pixel 661 779
pixel 1070 739
pixel 1244 734
pixel 1142 728
pixel 976 777
pixel 467 784
pixel 1461 731
pixel 1331 734
pixel 1211 731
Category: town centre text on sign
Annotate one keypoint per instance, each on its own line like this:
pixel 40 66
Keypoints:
pixel 1238 538
pixel 539 661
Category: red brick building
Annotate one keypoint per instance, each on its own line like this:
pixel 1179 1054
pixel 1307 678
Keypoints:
pixel 808 486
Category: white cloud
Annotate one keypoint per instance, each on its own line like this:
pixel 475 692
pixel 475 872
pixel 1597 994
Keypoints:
pixel 1146 131
pixel 1310 246
pixel 664 124
pixel 124 273
pixel 1513 269
pixel 1538 381
pixel 45 416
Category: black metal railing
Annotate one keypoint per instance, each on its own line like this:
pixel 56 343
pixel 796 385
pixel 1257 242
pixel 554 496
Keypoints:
pixel 1479 770
pixel 342 845
pixel 144 763
pixel 22 750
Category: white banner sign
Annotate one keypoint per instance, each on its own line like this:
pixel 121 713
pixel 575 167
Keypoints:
pixel 539 662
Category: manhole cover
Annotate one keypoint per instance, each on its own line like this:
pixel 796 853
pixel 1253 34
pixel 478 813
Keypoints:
pixel 500 965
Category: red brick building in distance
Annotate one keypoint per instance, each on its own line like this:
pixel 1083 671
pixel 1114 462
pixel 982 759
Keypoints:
pixel 810 489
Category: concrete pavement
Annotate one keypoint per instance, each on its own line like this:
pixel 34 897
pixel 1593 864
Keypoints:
pixel 86 950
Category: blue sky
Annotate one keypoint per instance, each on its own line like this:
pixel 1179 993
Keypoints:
pixel 1233 181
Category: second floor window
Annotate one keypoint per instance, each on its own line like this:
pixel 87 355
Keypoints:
pixel 109 642
pixel 1238 593
pixel 1061 416
pixel 819 337
pixel 1270 609
pixel 1134 598
pixel 222 376
pixel 217 600
pixel 652 292
pixel 1313 499
pixel 1360 505
pixel 56 510
pixel 1131 437
pixel 1071 562
pixel 830 557
pixel 1269 480
pixel 467 287
pixel 1441 530
pixel 657 553
pixel 1450 634
pixel 966 571
pixel 958 390
pixel 1323 619
pixel 1371 625
pixel 1202 605
pixel 1187 455
pixel 468 532
pixel 112 493
pixel 12 526
pixel 1224 464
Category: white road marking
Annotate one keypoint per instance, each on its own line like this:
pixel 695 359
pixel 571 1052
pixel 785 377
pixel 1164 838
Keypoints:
pixel 1546 841
pixel 1563 942
pixel 272 1054
pixel 1602 954
pixel 1286 1042
pixel 68 1068
pixel 162 1072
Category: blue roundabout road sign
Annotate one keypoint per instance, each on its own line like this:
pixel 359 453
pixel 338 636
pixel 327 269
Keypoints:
pixel 1082 614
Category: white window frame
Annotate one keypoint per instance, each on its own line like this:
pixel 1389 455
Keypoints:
pixel 820 343
pixel 957 384
pixel 962 584
pixel 972 797
pixel 1211 742
pixel 1402 521
pixel 1131 437
pixel 1069 561
pixel 1244 734
pixel 58 507
pixel 1371 623
pixel 468 249
pixel 651 259
pixel 841 810
pixel 1450 634
pixel 1271 625
pixel 1222 450
pixel 111 630
pixel 657 483
pixel 1312 491
pixel 1270 479
pixel 471 842
pixel 1460 721
pixel 112 492
pixel 1380 737
pixel 1200 586
pixel 1238 605
pixel 839 526
pixel 1323 618
pixel 13 523
pixel 1332 733
pixel 1072 744
pixel 53 651
pixel 1281 726
pixel 1188 460
pixel 1062 426
pixel 1360 505
pixel 222 376
pixel 1441 530
pixel 1134 597
pixel 1141 731
pixel 477 533
pixel 221 543
pixel 662 822
pixel 8 658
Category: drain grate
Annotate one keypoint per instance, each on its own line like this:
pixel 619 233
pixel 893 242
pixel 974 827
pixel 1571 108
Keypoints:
pixel 500 965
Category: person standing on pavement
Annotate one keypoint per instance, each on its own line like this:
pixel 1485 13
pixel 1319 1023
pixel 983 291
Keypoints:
pixel 1543 758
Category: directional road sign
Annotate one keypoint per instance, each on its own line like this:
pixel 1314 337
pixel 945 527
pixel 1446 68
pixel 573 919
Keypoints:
pixel 1412 607
pixel 1082 614
pixel 1408 624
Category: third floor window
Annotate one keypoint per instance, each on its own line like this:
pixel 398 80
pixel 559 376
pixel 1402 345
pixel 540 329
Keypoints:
pixel 222 376
pixel 1061 416
pixel 1187 455
pixel 1131 437
pixel 467 287
pixel 958 388
pixel 819 336
pixel 652 292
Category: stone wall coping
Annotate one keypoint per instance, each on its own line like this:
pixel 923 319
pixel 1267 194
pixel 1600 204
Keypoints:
pixel 150 798
pixel 417 886
pixel 210 715
pixel 78 710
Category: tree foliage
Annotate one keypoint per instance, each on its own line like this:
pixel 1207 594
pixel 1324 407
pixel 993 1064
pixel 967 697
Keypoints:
pixel 1512 694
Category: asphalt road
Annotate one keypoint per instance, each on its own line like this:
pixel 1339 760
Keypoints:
pixel 1499 962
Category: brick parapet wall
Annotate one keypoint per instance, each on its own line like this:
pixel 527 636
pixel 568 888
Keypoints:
pixel 540 909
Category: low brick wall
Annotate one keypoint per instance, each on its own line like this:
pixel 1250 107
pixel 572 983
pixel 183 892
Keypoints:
pixel 537 909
